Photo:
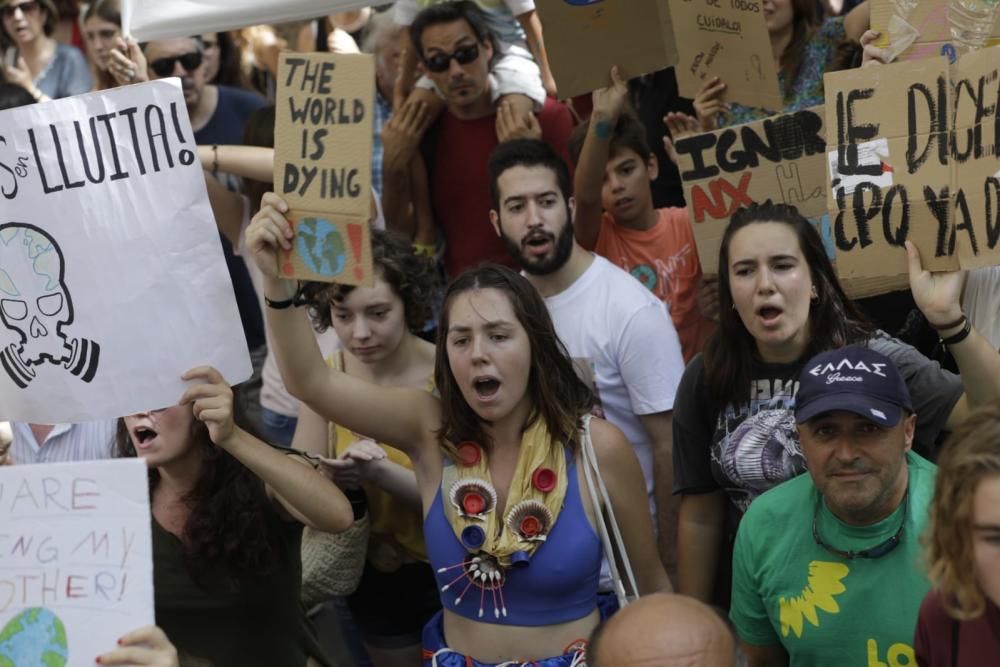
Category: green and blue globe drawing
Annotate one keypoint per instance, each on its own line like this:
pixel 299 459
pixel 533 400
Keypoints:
pixel 34 638
pixel 320 246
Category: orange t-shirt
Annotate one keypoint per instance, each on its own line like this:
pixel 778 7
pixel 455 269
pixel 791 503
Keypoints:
pixel 664 258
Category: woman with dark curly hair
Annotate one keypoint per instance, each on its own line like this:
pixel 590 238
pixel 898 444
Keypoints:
pixel 959 623
pixel 228 512
pixel 375 326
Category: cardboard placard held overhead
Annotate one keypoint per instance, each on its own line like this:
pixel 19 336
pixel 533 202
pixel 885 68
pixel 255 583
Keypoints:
pixel 929 19
pixel 781 158
pixel 895 174
pixel 584 38
pixel 322 164
pixel 77 559
pixel 727 39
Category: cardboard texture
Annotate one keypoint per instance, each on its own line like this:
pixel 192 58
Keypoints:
pixel 727 39
pixel 895 175
pixel 584 38
pixel 930 19
pixel 322 162
pixel 329 248
pixel 781 158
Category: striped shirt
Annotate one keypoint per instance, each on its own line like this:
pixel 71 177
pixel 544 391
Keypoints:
pixel 84 441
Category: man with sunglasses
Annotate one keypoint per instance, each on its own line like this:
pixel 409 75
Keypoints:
pixel 457 50
pixel 826 568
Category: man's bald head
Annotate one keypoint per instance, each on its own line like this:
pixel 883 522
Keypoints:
pixel 664 630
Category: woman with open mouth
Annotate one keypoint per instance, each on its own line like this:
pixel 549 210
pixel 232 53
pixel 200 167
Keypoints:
pixel 780 303
pixel 509 530
pixel 228 512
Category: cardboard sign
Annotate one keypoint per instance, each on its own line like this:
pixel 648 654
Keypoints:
pixel 727 39
pixel 781 158
pixel 156 19
pixel 322 163
pixel 899 168
pixel 584 38
pixel 929 19
pixel 112 278
pixel 77 556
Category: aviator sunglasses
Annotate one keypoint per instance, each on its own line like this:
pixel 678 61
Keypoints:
pixel 165 66
pixel 440 62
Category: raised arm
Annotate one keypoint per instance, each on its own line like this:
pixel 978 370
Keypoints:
pixel 938 295
pixel 589 178
pixel 401 137
pixel 301 491
pixel 404 418
pixel 255 162
pixel 622 475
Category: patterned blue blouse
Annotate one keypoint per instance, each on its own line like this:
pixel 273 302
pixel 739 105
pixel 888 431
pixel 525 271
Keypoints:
pixel 807 90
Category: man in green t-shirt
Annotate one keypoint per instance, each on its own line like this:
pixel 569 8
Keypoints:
pixel 826 567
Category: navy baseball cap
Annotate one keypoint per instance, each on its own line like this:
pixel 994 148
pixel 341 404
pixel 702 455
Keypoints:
pixel 855 379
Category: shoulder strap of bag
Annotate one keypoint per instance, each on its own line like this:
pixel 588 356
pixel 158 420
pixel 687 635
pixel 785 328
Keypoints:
pixel 602 503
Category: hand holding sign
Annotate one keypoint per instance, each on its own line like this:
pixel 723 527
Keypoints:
pixel 608 102
pixel 937 295
pixel 212 403
pixel 145 647
pixel 268 234
pixel 708 103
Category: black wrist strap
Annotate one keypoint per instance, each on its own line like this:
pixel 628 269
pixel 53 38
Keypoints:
pixel 960 336
pixel 950 325
pixel 279 305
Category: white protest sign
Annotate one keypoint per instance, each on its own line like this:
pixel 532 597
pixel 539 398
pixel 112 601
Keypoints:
pixel 112 278
pixel 76 559
pixel 155 19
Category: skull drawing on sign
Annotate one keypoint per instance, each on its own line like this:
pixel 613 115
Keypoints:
pixel 35 303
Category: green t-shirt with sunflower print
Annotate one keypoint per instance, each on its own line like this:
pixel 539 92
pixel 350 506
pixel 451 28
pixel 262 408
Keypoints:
pixel 825 609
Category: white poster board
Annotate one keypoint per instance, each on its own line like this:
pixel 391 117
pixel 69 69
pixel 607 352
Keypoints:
pixel 161 19
pixel 77 559
pixel 112 278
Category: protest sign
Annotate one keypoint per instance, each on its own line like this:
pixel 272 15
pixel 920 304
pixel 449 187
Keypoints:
pixel 900 170
pixel 584 38
pixel 77 554
pixel 781 158
pixel 155 19
pixel 727 39
pixel 322 164
pixel 112 278
pixel 928 19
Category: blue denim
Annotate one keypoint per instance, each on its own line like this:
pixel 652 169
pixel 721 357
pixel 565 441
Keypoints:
pixel 279 429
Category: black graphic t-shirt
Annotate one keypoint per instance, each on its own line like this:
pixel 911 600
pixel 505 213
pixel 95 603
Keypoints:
pixel 748 447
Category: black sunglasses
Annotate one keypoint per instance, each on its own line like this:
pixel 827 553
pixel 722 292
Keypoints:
pixel 26 8
pixel 440 62
pixel 876 551
pixel 165 66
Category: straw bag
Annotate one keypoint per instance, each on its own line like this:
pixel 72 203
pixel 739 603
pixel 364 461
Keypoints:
pixel 332 563
pixel 604 516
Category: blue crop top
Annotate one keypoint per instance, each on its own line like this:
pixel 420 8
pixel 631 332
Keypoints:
pixel 558 585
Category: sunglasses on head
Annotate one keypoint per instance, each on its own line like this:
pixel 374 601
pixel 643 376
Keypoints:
pixel 165 66
pixel 440 62
pixel 29 7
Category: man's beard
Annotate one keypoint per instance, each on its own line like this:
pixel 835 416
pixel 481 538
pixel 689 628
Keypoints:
pixel 543 266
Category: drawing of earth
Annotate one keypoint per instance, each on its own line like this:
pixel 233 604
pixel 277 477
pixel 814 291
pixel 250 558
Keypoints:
pixel 320 246
pixel 34 638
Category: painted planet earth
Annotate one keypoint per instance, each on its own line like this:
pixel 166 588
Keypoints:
pixel 320 246
pixel 34 638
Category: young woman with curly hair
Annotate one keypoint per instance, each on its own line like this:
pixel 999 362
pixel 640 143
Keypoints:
pixel 959 621
pixel 375 326
pixel 228 512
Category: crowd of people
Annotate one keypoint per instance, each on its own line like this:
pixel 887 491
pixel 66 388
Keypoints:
pixel 570 447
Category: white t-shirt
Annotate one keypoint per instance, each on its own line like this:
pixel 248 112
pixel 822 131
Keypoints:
pixel 981 302
pixel 624 333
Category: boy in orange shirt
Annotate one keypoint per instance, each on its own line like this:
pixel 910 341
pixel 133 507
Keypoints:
pixel 615 216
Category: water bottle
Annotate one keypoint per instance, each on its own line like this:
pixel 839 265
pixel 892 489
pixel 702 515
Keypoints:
pixel 971 22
